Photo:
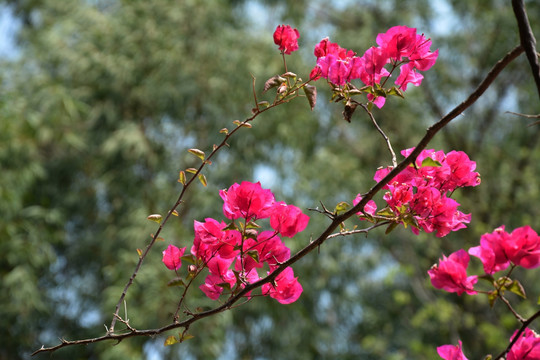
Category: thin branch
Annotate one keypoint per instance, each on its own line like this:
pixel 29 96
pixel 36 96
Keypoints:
pixel 359 231
pixel 528 42
pixel 517 335
pixel 388 144
pixel 338 219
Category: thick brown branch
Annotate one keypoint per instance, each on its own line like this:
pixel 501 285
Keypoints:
pixel 528 41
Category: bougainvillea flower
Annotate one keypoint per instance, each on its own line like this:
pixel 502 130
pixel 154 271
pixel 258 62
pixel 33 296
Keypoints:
pixel 172 257
pixel 451 352
pixel 451 274
pixel 286 289
pixel 523 247
pixel 398 41
pixel 288 220
pixel 286 38
pixel 247 200
pixel 527 347
pixel 370 208
pixel 498 249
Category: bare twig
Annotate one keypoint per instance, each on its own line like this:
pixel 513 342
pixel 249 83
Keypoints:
pixel 388 144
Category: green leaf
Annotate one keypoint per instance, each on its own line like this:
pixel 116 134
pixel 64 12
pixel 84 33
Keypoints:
pixel 189 258
pixel 186 337
pixel 171 340
pixel 430 162
pixel 242 124
pixel 342 207
pixel 395 91
pixel 139 251
pixel 492 296
pixel 263 103
pixel 386 212
pixel 231 226
pixel 155 217
pixel 176 282
pixel 198 153
pixel 191 170
pixel 182 178
pixel 391 227
pixel 202 179
pixel 517 289
pixel 252 225
pixel 311 95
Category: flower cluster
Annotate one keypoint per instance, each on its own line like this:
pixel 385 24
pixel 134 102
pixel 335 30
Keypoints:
pixel 498 249
pixel 400 46
pixel 420 195
pixel 234 251
pixel 286 38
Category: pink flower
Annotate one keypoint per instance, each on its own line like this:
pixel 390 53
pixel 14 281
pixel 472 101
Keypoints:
pixel 527 347
pixel 451 274
pixel 523 247
pixel 451 352
pixel 172 257
pixel 288 220
pixel 271 249
pixel 210 239
pixel 247 200
pixel 408 75
pixel 286 38
pixel 286 289
pixel 370 208
pixel 398 41
pixel 498 249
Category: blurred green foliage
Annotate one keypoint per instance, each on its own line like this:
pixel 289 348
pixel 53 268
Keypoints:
pixel 101 103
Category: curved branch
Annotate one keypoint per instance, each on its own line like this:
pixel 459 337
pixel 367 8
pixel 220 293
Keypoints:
pixel 326 234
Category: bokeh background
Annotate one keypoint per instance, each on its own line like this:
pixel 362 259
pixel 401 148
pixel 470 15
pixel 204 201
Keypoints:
pixel 99 100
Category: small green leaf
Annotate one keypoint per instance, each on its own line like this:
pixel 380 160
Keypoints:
pixel 186 337
pixel 202 179
pixel 191 170
pixel 231 226
pixel 155 217
pixel 311 95
pixel 171 340
pixel 139 251
pixel 370 106
pixel 517 289
pixel 176 282
pixel 189 258
pixel 386 212
pixel 198 153
pixel 342 207
pixel 254 254
pixel 488 357
pixel 263 103
pixel 492 296
pixel 391 227
pixel 430 162
pixel 182 178
pixel 242 124
pixel 252 225
pixel 395 91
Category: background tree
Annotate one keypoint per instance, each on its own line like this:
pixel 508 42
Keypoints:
pixel 103 100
